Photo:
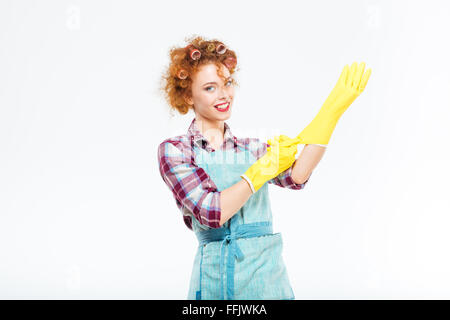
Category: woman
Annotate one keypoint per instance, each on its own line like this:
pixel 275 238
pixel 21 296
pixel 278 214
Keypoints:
pixel 219 181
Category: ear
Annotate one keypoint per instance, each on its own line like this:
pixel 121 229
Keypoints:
pixel 188 100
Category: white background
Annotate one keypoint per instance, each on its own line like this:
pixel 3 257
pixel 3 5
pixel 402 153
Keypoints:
pixel 84 213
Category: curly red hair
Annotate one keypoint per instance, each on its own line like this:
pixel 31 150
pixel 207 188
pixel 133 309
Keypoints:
pixel 176 80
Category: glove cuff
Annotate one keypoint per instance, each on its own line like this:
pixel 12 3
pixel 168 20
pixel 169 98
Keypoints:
pixel 319 130
pixel 243 176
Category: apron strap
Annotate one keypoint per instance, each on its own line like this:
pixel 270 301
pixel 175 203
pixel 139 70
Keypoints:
pixel 228 237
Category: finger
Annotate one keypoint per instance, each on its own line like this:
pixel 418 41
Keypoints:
pixel 352 74
pixel 294 142
pixel 284 137
pixel 298 139
pixel 286 140
pixel 288 143
pixel 273 140
pixel 359 73
pixel 293 152
pixel 344 75
pixel 364 80
pixel 274 146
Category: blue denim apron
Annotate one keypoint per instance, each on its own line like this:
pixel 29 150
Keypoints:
pixel 254 268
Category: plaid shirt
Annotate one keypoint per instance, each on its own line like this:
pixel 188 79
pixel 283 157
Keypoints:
pixel 194 191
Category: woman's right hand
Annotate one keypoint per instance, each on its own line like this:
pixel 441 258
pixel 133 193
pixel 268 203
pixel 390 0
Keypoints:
pixel 278 158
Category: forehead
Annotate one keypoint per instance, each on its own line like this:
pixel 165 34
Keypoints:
pixel 209 72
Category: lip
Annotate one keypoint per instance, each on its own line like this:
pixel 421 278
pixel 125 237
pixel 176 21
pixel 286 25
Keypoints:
pixel 224 110
pixel 220 104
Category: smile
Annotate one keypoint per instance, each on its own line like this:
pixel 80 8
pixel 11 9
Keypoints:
pixel 223 107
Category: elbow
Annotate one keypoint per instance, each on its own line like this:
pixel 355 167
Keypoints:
pixel 211 218
pixel 301 178
pixel 217 223
pixel 221 220
pixel 213 224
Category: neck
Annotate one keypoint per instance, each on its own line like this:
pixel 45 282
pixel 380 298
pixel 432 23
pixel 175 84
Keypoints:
pixel 213 131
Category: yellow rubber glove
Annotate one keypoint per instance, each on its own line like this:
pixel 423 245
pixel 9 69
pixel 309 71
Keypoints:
pixel 287 147
pixel 282 140
pixel 350 85
pixel 279 157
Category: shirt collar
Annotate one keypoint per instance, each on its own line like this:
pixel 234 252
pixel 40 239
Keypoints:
pixel 195 134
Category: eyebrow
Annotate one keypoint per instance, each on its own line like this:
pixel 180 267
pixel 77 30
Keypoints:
pixel 215 82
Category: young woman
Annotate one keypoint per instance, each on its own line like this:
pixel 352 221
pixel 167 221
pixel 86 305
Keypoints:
pixel 219 180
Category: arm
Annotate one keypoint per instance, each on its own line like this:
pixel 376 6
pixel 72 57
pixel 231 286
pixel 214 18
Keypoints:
pixel 306 162
pixel 194 189
pixel 233 198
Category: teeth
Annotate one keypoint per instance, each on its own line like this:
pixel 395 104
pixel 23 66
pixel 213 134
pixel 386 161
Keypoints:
pixel 223 106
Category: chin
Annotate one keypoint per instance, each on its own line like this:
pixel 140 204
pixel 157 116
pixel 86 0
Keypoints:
pixel 225 116
pixel 221 116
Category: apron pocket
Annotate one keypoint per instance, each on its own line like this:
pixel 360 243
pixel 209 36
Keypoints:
pixel 261 274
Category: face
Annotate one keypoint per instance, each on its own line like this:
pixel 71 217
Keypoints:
pixel 208 91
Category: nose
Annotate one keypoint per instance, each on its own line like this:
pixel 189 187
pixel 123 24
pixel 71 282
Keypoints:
pixel 224 93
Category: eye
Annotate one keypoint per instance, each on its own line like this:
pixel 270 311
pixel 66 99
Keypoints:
pixel 230 82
